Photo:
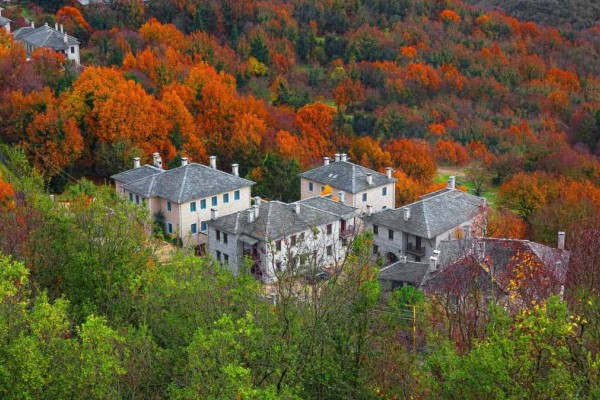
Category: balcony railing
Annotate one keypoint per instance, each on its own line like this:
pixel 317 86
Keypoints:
pixel 417 251
pixel 347 233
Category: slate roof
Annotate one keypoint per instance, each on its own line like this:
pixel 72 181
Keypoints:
pixel 495 260
pixel 4 21
pixel 333 207
pixel 137 173
pixel 432 215
pixel 183 184
pixel 45 37
pixel 275 220
pixel 410 271
pixel 346 176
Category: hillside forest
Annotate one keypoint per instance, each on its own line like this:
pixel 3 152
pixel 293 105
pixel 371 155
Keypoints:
pixel 89 309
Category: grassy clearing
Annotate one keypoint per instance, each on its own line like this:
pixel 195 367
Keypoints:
pixel 444 173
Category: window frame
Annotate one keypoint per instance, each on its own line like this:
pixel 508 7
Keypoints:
pixel 169 206
pixel 236 195
pixel 194 228
pixel 193 207
pixel 214 201
pixel 225 198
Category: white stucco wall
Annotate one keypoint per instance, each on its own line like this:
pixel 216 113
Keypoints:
pixel 375 196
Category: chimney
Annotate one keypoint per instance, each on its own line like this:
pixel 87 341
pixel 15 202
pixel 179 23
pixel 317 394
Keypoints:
pixel 452 182
pixel 402 259
pixel 214 213
pixel 1 11
pixel 257 200
pixel 388 172
pixel 342 196
pixel 157 160
pixel 66 39
pixel 136 162
pixel 561 240
pixel 184 161
pixel 433 260
pixel 56 26
pixel 213 162
pixel 297 208
pixel 256 213
pixel 45 24
pixel 436 253
pixel 250 215
pixel 235 169
pixel 325 160
pixel 369 178
pixel 62 28
pixel 337 157
pixel 369 209
pixel 343 157
pixel 483 202
pixel 406 213
pixel 32 24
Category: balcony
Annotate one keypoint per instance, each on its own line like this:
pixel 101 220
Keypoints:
pixel 347 233
pixel 416 251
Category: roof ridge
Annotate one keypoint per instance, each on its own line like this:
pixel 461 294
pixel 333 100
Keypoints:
pixel 183 182
pixel 268 221
pixel 353 178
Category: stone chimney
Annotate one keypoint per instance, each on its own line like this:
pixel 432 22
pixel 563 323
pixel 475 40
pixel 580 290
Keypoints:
pixel 214 213
pixel 157 161
pixel 256 210
pixel 213 162
pixel 235 169
pixel 62 28
pixel 433 261
pixel 136 162
pixel 342 196
pixel 561 240
pixel 337 157
pixel 32 24
pixel 369 209
pixel 343 157
pixel 66 39
pixel 452 182
pixel 388 172
pixel 250 215
pixel 45 24
pixel 325 160
pixel 56 26
pixel 403 259
pixel 184 161
pixel 369 178
pixel 406 213
pixel 297 208
pixel 257 200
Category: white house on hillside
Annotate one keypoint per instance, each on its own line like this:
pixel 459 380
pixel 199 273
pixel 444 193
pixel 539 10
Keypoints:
pixel 46 37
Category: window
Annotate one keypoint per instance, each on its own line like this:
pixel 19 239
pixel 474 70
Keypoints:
pixel 329 250
pixel 194 229
pixel 226 198
pixel 170 227
pixel 218 255
pixel 375 230
pixel 225 258
pixel 329 229
pixel 224 237
pixel 364 197
pixel 278 245
pixel 168 206
pixel 236 195
pixel 137 199
pixel 193 206
pixel 214 201
pixel 390 234
pixel 203 204
pixel 375 249
pixel 293 240
pixel 131 197
pixel 72 49
pixel 384 191
pixel 218 233
pixel 310 187
pixel 203 226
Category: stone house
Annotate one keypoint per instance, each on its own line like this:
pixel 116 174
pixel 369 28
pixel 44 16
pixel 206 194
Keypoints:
pixel 185 195
pixel 46 37
pixel 356 185
pixel 4 22
pixel 272 237
pixel 414 230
